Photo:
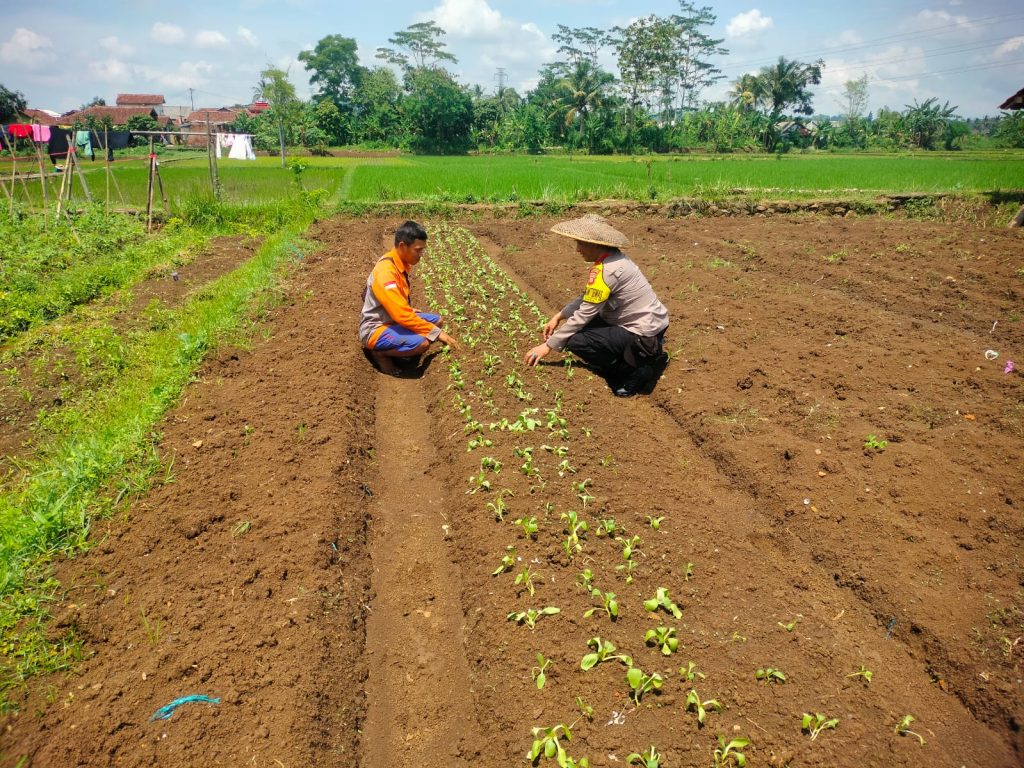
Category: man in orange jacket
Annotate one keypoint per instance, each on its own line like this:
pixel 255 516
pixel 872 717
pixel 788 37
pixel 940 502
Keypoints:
pixel 389 327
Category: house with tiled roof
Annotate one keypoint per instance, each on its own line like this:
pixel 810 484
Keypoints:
pixel 139 100
pixel 117 115
pixel 39 117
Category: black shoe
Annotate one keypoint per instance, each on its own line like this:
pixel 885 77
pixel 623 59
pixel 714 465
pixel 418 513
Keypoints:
pixel 635 381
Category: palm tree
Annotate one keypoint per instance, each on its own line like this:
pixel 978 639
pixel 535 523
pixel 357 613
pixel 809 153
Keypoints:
pixel 747 93
pixel 786 82
pixel 580 92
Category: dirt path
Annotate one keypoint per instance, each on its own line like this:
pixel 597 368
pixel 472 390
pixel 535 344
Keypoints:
pixel 420 709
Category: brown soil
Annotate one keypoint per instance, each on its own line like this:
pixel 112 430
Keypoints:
pixel 794 338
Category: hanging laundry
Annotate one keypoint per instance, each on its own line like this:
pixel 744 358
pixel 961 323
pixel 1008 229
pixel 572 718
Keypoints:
pixel 111 140
pixel 20 130
pixel 84 144
pixel 58 146
pixel 241 149
pixel 40 134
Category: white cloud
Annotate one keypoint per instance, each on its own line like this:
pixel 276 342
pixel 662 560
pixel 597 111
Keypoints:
pixel 247 35
pixel 210 38
pixel 748 24
pixel 943 24
pixel 28 49
pixel 846 38
pixel 167 34
pixel 892 77
pixel 116 47
pixel 468 19
pixel 189 74
pixel 1010 46
pixel 111 70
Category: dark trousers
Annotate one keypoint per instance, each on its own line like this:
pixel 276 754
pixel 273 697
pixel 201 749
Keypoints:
pixel 612 349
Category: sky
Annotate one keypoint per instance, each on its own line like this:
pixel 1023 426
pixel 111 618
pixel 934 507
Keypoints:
pixel 61 54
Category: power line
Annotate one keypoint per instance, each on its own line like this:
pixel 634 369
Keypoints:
pixel 956 71
pixel 875 42
pixel 934 52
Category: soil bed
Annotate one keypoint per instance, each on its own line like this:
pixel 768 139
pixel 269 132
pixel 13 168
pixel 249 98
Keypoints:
pixel 784 540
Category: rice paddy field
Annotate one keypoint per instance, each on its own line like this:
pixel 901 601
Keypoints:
pixel 561 179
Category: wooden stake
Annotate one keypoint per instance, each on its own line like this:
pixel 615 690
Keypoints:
pixel 149 189
pixel 81 177
pixel 1018 220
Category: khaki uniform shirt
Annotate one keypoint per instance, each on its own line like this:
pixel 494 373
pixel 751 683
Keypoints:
pixel 619 294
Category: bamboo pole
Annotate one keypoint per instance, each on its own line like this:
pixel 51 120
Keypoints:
pixel 160 183
pixel 81 177
pixel 1018 220
pixel 149 189
pixel 65 174
pixel 14 167
pixel 106 160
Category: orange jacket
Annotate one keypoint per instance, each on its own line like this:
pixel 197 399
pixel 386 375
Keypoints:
pixel 387 302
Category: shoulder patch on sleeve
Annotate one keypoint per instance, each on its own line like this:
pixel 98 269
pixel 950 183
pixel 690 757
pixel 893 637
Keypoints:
pixel 597 289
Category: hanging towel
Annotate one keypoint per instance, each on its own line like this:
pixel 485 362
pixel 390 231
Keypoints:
pixel 40 134
pixel 20 130
pixel 84 144
pixel 241 148
pixel 58 146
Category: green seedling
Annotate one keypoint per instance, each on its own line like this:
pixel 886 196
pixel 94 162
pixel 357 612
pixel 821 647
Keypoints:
pixel 688 572
pixel 526 467
pixel 604 650
pixel 529 526
pixel 664 638
pixel 903 728
pixel 531 616
pixel 547 743
pixel 873 442
pixel 648 759
pixel 816 723
pixel 737 638
pixel 585 579
pixel 629 546
pixel 560 451
pixel 608 461
pixel 730 753
pixel 694 704
pixel 641 683
pixel 498 507
pixel 507 562
pixel 690 673
pixel 655 522
pixel 608 527
pixel 564 468
pixel 152 627
pixel 662 599
pixel 491 363
pixel 538 673
pixel 479 482
pixel 581 491
pixel 585 709
pixel 525 579
pixel 627 567
pixel 788 627
pixel 609 604
pixel 490 463
pixel 587 431
pixel 478 442
pixel 770 675
pixel 863 673
pixel 241 528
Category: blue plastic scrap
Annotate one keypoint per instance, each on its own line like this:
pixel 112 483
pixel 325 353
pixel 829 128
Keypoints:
pixel 164 713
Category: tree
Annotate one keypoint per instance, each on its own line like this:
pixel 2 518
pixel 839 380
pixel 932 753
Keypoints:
pixel 855 95
pixel 12 104
pixel 421 43
pixel 581 92
pixel 747 93
pixel 582 44
pixel 375 108
pixel 786 84
pixel 275 88
pixel 96 101
pixel 438 111
pixel 334 64
pixel 927 122
pixel 693 73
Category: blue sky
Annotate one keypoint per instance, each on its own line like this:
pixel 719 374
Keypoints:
pixel 60 54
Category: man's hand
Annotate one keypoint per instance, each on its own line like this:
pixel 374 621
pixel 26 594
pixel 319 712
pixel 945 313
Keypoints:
pixel 552 325
pixel 444 338
pixel 534 355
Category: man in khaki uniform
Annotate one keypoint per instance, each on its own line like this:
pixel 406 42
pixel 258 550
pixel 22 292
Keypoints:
pixel 617 325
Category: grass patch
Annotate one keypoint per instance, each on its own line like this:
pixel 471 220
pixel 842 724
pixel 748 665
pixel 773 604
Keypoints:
pixel 106 452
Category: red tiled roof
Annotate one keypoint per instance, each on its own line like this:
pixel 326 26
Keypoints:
pixel 139 99
pixel 218 115
pixel 38 116
pixel 119 115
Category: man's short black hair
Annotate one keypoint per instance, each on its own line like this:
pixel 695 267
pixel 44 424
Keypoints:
pixel 409 232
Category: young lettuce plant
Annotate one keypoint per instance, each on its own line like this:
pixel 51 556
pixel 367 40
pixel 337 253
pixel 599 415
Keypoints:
pixel 814 724
pixel 903 728
pixel 539 673
pixel 647 759
pixel 694 704
pixel 664 638
pixel 585 579
pixel 531 616
pixel 547 743
pixel 609 604
pixel 770 675
pixel 498 507
pixel 529 526
pixel 608 527
pixel 662 599
pixel 507 561
pixel 641 683
pixel 729 753
pixel 604 650
pixel 585 709
pixel 525 579
pixel 863 673
pixel 690 673
pixel 628 568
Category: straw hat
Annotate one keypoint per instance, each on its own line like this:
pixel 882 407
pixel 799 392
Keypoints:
pixel 592 229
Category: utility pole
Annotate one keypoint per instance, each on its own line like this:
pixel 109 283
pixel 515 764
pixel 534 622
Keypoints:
pixel 191 98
